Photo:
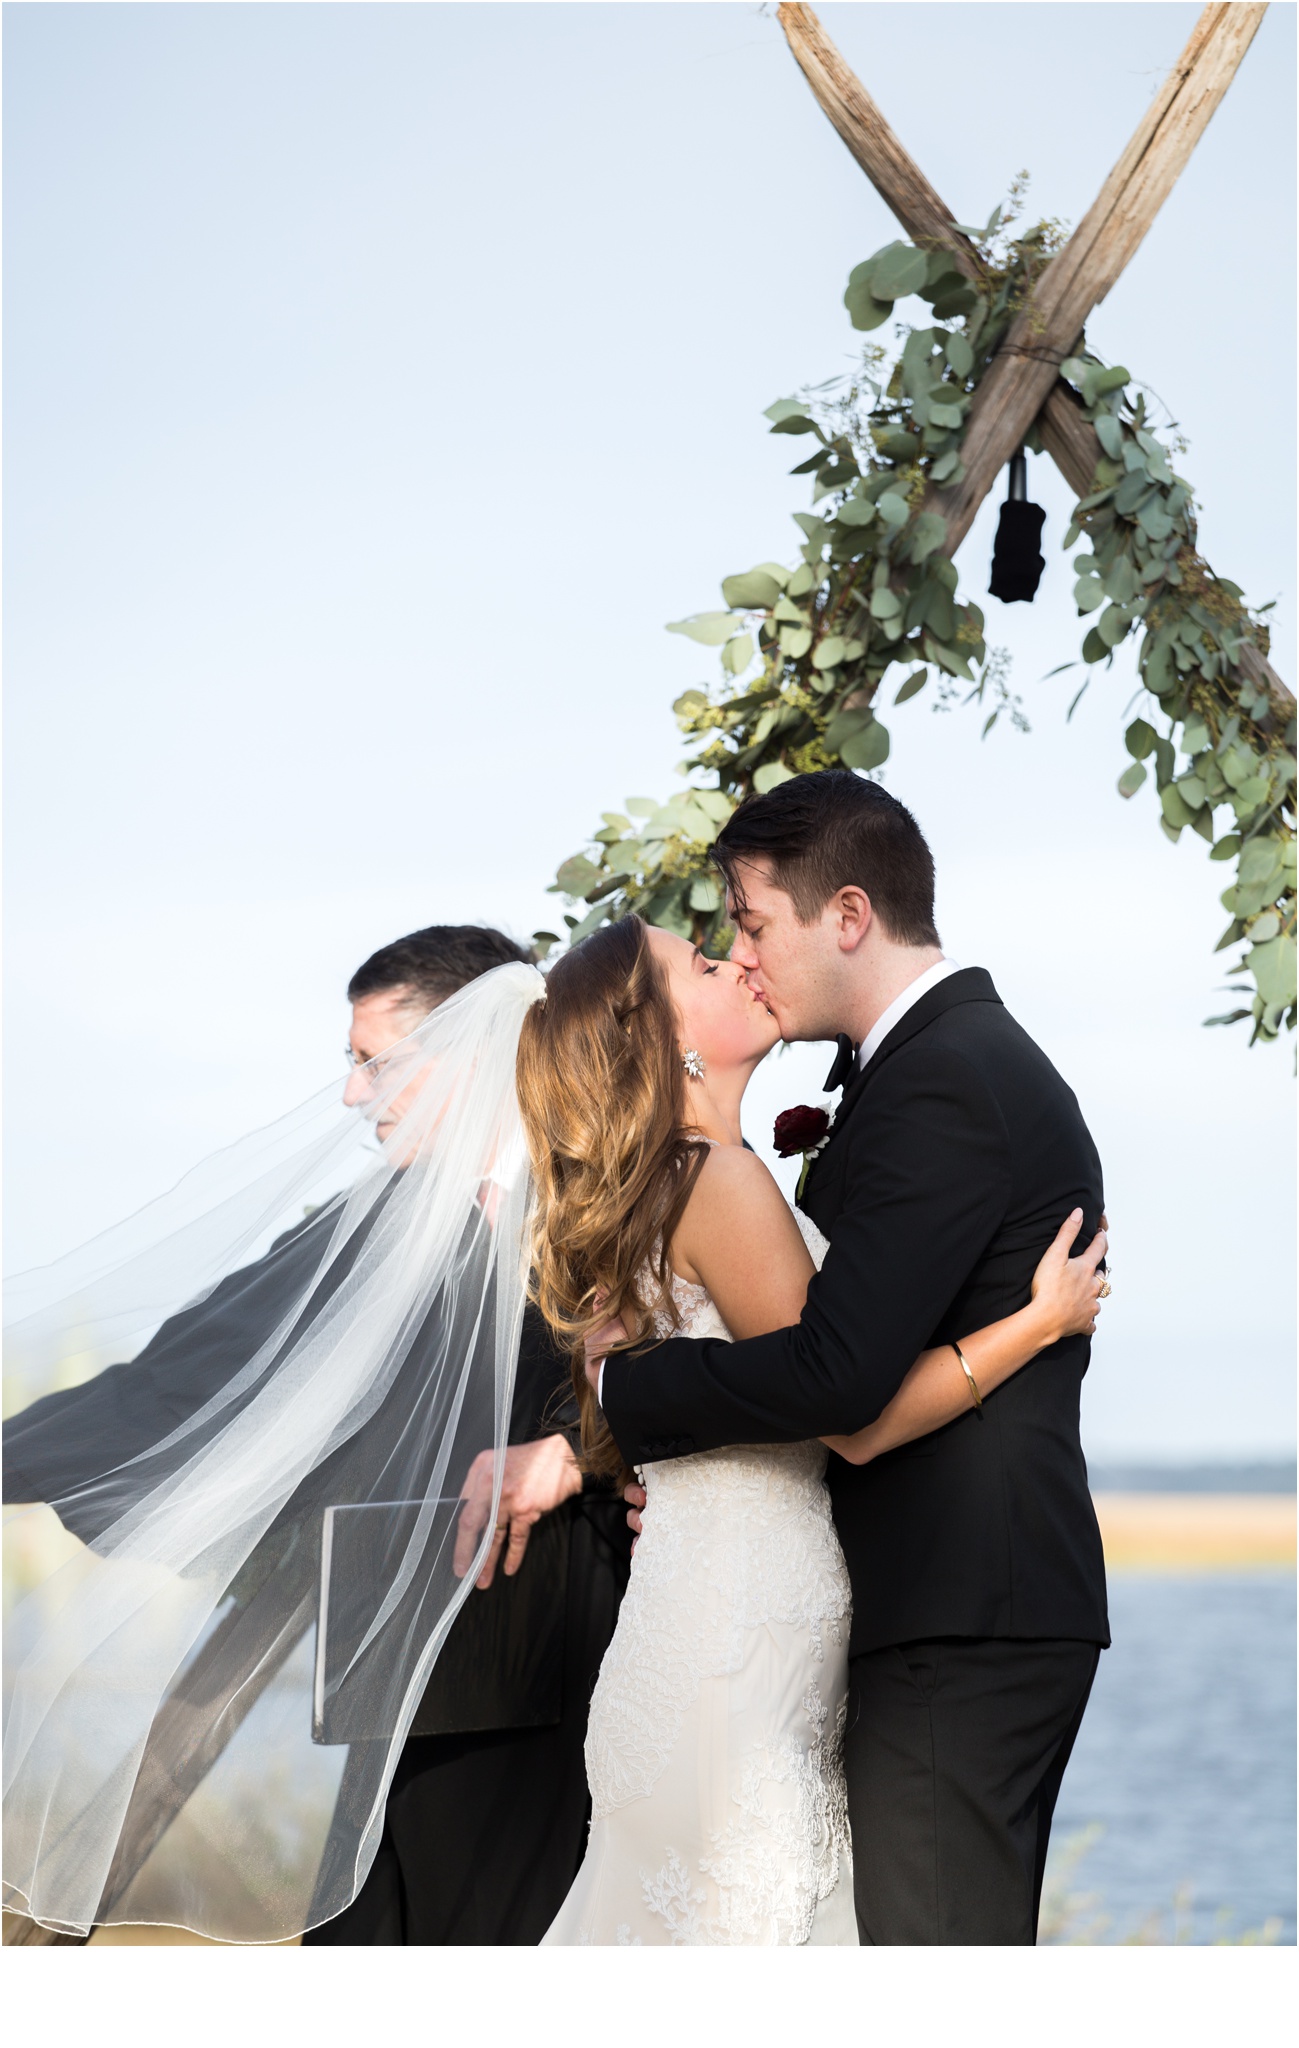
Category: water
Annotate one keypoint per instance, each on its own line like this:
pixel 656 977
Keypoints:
pixel 1186 1763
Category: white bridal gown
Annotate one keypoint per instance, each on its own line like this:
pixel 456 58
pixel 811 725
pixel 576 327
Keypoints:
pixel 714 1749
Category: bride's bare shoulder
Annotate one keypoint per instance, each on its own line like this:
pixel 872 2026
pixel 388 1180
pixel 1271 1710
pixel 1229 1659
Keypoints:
pixel 736 1194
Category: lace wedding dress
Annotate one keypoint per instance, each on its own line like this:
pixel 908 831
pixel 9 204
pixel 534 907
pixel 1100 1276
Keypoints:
pixel 713 1751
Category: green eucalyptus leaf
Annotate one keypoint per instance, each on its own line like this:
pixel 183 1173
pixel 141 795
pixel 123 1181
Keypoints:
pixel 786 409
pixel 756 591
pixel 1157 670
pixel 1154 520
pixel 577 875
pixel 864 309
pixel 1093 647
pixel 770 774
pixel 866 748
pixel 954 304
pixel 1264 928
pixel 829 652
pixel 705 893
pixel 897 271
pixel 855 512
pixel 1176 813
pixel 1132 778
pixel 1195 735
pixel 590 923
pixel 795 641
pixel 715 803
pixel 885 603
pixel 928 535
pixel 1132 492
pixel 1273 968
pixel 945 412
pixel 1110 435
pixel 913 685
pixel 1113 625
pixel 708 628
pixel 1228 848
pixel 959 354
pixel 948 658
pixel 1260 860
pixel 1140 739
pixel 803 579
pixel 893 509
pixel 847 720
pixel 737 654
pixel 624 859
pixel 1089 594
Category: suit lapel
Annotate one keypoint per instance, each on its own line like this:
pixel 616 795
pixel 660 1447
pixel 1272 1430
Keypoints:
pixel 967 985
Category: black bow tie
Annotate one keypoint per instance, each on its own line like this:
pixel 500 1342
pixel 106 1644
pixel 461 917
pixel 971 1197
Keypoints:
pixel 844 1062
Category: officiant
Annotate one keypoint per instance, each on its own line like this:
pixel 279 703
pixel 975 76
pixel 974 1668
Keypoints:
pixel 493 1765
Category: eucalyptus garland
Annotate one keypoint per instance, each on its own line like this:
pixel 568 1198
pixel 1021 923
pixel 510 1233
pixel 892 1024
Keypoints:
pixel 1144 573
pixel 806 648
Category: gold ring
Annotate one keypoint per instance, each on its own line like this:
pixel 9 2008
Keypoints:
pixel 501 1528
pixel 1105 1291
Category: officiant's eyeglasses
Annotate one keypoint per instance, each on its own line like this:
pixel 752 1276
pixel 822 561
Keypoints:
pixel 388 1068
pixel 381 1066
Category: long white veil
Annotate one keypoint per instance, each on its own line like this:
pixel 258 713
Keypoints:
pixel 207 1695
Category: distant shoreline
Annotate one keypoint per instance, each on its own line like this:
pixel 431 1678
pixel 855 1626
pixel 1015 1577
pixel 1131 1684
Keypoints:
pixel 1225 1476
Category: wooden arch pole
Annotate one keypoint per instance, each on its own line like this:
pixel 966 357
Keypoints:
pixel 1023 382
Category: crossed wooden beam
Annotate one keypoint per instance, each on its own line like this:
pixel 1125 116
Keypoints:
pixel 1023 383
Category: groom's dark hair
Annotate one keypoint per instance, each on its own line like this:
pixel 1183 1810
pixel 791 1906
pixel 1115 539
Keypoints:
pixel 822 832
pixel 435 962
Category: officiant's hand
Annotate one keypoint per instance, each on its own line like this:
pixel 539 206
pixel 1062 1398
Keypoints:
pixel 537 1478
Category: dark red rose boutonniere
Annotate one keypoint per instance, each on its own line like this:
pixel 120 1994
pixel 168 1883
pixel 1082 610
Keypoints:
pixel 804 1130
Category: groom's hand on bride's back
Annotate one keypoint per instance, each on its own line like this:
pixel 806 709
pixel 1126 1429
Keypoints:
pixel 635 1498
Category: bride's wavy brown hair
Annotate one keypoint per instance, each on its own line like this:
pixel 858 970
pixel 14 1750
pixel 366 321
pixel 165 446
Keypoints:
pixel 603 1095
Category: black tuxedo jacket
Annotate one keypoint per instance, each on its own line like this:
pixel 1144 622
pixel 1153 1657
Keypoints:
pixel 955 1156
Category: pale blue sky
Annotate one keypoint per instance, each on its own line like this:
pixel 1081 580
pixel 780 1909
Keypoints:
pixel 381 379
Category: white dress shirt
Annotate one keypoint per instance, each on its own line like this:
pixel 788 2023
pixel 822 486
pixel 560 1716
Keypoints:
pixel 898 1008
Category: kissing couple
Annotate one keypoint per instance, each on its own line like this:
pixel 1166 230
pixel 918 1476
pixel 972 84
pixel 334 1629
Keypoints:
pixel 868 1598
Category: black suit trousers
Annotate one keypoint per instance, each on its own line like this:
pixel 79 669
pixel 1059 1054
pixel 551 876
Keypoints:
pixel 955 1750
pixel 485 1833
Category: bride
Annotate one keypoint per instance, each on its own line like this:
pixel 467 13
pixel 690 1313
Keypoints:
pixel 713 1752
pixel 207 1697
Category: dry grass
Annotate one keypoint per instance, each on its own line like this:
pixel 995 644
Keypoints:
pixel 1197 1532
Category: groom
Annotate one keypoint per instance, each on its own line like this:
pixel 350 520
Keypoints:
pixel 975 1558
